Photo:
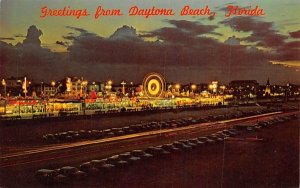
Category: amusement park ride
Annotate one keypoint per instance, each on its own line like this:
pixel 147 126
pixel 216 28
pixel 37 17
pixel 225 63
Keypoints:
pixel 154 85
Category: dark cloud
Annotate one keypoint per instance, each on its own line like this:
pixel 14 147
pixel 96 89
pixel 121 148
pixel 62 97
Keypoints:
pixel 7 38
pixel 69 37
pixel 295 34
pixel 82 33
pixel 28 57
pixel 193 27
pixel 62 43
pixel 247 24
pixel 185 32
pixel 288 52
pixel 173 35
pixel 125 33
pixel 293 44
pixel 262 33
pixel 265 35
pixel 19 36
pixel 33 36
pixel 81 30
pixel 184 45
pixel 183 53
pixel 267 39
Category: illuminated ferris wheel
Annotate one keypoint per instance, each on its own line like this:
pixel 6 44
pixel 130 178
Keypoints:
pixel 153 85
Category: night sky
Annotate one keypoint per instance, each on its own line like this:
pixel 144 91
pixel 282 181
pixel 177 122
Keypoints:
pixel 184 49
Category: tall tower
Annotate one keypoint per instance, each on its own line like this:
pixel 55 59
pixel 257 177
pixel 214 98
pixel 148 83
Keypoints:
pixel 268 88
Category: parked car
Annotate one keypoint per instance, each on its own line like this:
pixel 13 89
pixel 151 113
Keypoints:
pixel 98 163
pixel 68 171
pixel 88 168
pixel 116 161
pixel 113 159
pixel 196 141
pixel 156 151
pixel 141 154
pixel 46 176
pixel 215 138
pixel 171 148
pixel 206 140
pixel 125 156
pixel 182 145
pixel 187 142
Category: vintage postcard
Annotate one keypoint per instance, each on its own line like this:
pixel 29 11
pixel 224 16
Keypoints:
pixel 149 93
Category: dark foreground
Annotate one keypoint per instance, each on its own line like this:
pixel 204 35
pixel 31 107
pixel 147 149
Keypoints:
pixel 271 163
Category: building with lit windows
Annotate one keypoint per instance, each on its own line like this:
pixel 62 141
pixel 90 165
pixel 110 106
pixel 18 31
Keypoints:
pixel 243 89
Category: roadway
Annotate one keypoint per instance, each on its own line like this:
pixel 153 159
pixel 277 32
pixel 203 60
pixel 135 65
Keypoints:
pixel 108 146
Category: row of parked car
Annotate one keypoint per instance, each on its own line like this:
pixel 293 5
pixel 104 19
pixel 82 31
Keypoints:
pixel 71 136
pixel 269 123
pixel 123 160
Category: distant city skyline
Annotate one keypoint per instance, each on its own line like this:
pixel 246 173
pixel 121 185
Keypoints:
pixel 184 49
pixel 130 82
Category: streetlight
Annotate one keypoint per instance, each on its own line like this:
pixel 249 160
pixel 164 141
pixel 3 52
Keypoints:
pixel 132 89
pixel 52 83
pixel 193 87
pixel 123 87
pixel 4 84
pixel 177 86
pixel 24 87
pixel 210 86
pixel 53 90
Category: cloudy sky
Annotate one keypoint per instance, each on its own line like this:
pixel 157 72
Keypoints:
pixel 183 49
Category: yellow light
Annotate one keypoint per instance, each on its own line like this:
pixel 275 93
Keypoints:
pixel 193 86
pixel 53 83
pixel 109 82
pixel 177 86
pixel 84 83
pixel 214 84
pixel 3 82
